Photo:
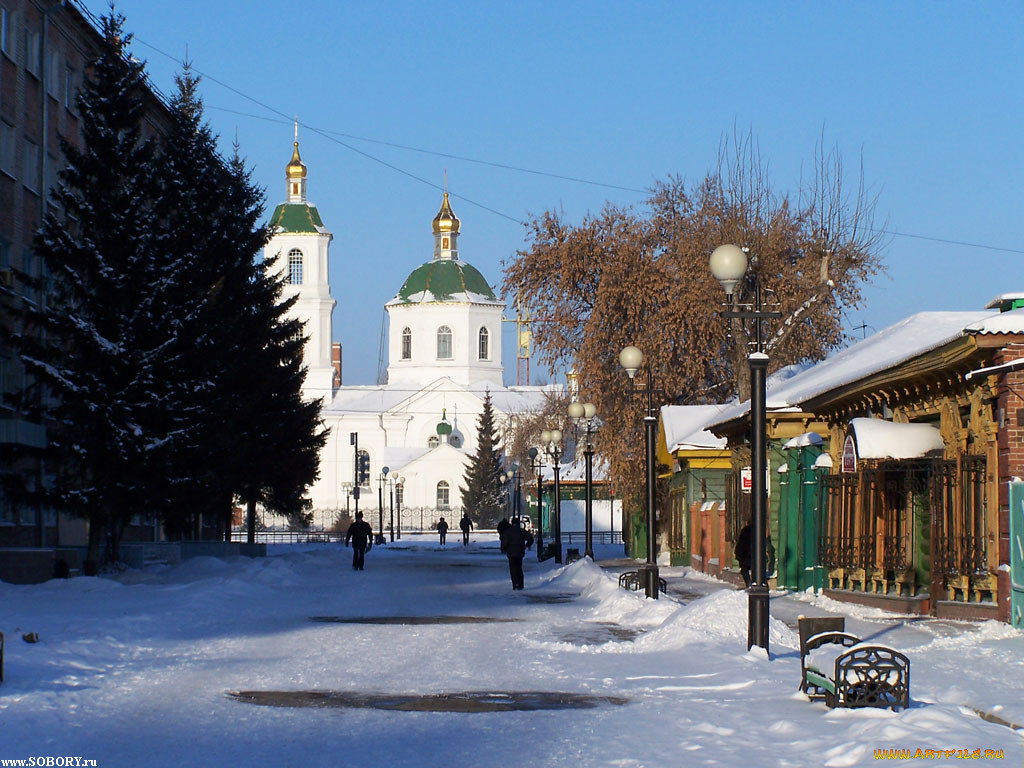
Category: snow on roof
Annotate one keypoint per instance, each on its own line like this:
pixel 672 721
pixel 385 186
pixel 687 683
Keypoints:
pixel 1004 322
pixel 382 398
pixel 576 471
pixel 1004 298
pixel 891 346
pixel 804 440
pixel 879 439
pixel 685 426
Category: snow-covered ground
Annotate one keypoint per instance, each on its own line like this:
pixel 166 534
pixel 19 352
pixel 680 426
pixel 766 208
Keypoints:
pixel 136 670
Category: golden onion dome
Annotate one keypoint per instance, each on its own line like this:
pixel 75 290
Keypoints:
pixel 295 169
pixel 445 221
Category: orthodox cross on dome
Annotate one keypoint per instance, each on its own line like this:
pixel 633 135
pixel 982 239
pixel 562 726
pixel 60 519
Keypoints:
pixel 295 172
pixel 446 229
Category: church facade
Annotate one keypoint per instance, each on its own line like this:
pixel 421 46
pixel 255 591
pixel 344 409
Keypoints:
pixel 416 432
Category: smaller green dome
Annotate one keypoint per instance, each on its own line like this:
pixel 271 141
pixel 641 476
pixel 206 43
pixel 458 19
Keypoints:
pixel 296 217
pixel 443 427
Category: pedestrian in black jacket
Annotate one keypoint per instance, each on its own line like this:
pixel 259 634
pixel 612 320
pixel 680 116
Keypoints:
pixel 360 534
pixel 442 529
pixel 745 552
pixel 503 526
pixel 517 541
pixel 466 525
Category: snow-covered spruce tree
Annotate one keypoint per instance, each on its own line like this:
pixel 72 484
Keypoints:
pixel 95 350
pixel 279 435
pixel 482 494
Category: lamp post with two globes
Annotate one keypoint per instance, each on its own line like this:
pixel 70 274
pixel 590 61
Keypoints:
pixel 583 415
pixel 552 439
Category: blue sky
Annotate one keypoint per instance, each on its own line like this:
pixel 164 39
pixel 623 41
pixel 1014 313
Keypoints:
pixel 927 95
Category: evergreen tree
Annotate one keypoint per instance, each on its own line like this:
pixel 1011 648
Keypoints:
pixel 481 495
pixel 95 347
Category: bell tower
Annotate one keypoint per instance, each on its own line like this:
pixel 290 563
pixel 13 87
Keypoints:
pixel 300 244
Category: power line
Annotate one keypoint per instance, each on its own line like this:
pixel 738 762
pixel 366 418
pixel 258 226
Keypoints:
pixel 330 135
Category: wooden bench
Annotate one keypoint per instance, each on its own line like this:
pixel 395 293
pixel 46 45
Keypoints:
pixel 847 672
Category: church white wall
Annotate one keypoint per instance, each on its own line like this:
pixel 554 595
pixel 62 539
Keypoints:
pixel 465 320
pixel 314 306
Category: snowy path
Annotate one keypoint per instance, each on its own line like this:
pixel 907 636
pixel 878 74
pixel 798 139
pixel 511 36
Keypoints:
pixel 136 671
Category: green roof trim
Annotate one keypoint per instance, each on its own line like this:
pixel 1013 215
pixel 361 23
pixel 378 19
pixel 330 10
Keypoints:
pixel 445 280
pixel 296 217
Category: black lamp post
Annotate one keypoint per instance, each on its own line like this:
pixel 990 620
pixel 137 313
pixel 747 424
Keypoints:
pixel 631 359
pixel 391 505
pixel 553 440
pixel 729 266
pixel 399 494
pixel 537 466
pixel 380 504
pixel 583 415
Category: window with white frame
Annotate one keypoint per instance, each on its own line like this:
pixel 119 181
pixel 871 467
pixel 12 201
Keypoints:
pixel 32 40
pixel 443 495
pixel 69 88
pixel 485 344
pixel 444 343
pixel 295 266
pixel 53 72
pixel 407 344
pixel 433 441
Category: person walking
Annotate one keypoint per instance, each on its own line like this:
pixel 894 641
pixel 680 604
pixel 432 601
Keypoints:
pixel 517 542
pixel 503 526
pixel 360 534
pixel 466 525
pixel 745 552
pixel 442 529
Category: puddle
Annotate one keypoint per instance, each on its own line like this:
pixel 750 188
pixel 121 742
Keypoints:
pixel 410 620
pixel 469 701
pixel 600 632
pixel 559 597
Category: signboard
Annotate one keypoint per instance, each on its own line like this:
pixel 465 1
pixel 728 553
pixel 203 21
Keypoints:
pixel 849 455
pixel 746 480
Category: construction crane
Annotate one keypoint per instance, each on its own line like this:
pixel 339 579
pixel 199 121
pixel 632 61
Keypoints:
pixel 522 321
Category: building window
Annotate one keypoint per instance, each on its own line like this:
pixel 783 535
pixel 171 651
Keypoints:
pixel 446 243
pixel 444 343
pixel 485 348
pixel 406 344
pixel 7 149
pixel 32 40
pixel 30 175
pixel 7 32
pixel 53 73
pixel 433 441
pixel 295 266
pixel 69 88
pixel 442 495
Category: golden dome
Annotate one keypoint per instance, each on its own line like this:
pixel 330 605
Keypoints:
pixel 295 169
pixel 446 221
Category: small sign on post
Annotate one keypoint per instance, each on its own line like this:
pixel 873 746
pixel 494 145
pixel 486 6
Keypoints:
pixel 849 455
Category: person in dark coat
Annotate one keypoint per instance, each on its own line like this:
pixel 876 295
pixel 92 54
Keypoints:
pixel 360 534
pixel 503 526
pixel 745 552
pixel 517 542
pixel 466 525
pixel 442 529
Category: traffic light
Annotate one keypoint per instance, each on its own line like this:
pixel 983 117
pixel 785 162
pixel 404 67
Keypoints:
pixel 363 469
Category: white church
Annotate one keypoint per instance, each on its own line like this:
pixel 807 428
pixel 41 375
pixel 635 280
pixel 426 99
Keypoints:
pixel 444 355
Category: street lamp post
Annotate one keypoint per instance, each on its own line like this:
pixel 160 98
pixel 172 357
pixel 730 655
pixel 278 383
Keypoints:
pixel 553 440
pixel 729 265
pixel 399 485
pixel 537 465
pixel 631 358
pixel 380 504
pixel 583 415
pixel 391 504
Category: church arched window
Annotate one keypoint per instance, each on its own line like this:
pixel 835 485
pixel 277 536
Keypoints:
pixel 485 344
pixel 444 343
pixel 443 495
pixel 406 344
pixel 433 441
pixel 295 266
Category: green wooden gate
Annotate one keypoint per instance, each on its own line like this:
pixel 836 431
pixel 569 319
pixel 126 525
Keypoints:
pixel 799 513
pixel 1017 554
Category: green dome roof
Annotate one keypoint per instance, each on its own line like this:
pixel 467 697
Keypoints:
pixel 296 217
pixel 444 280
